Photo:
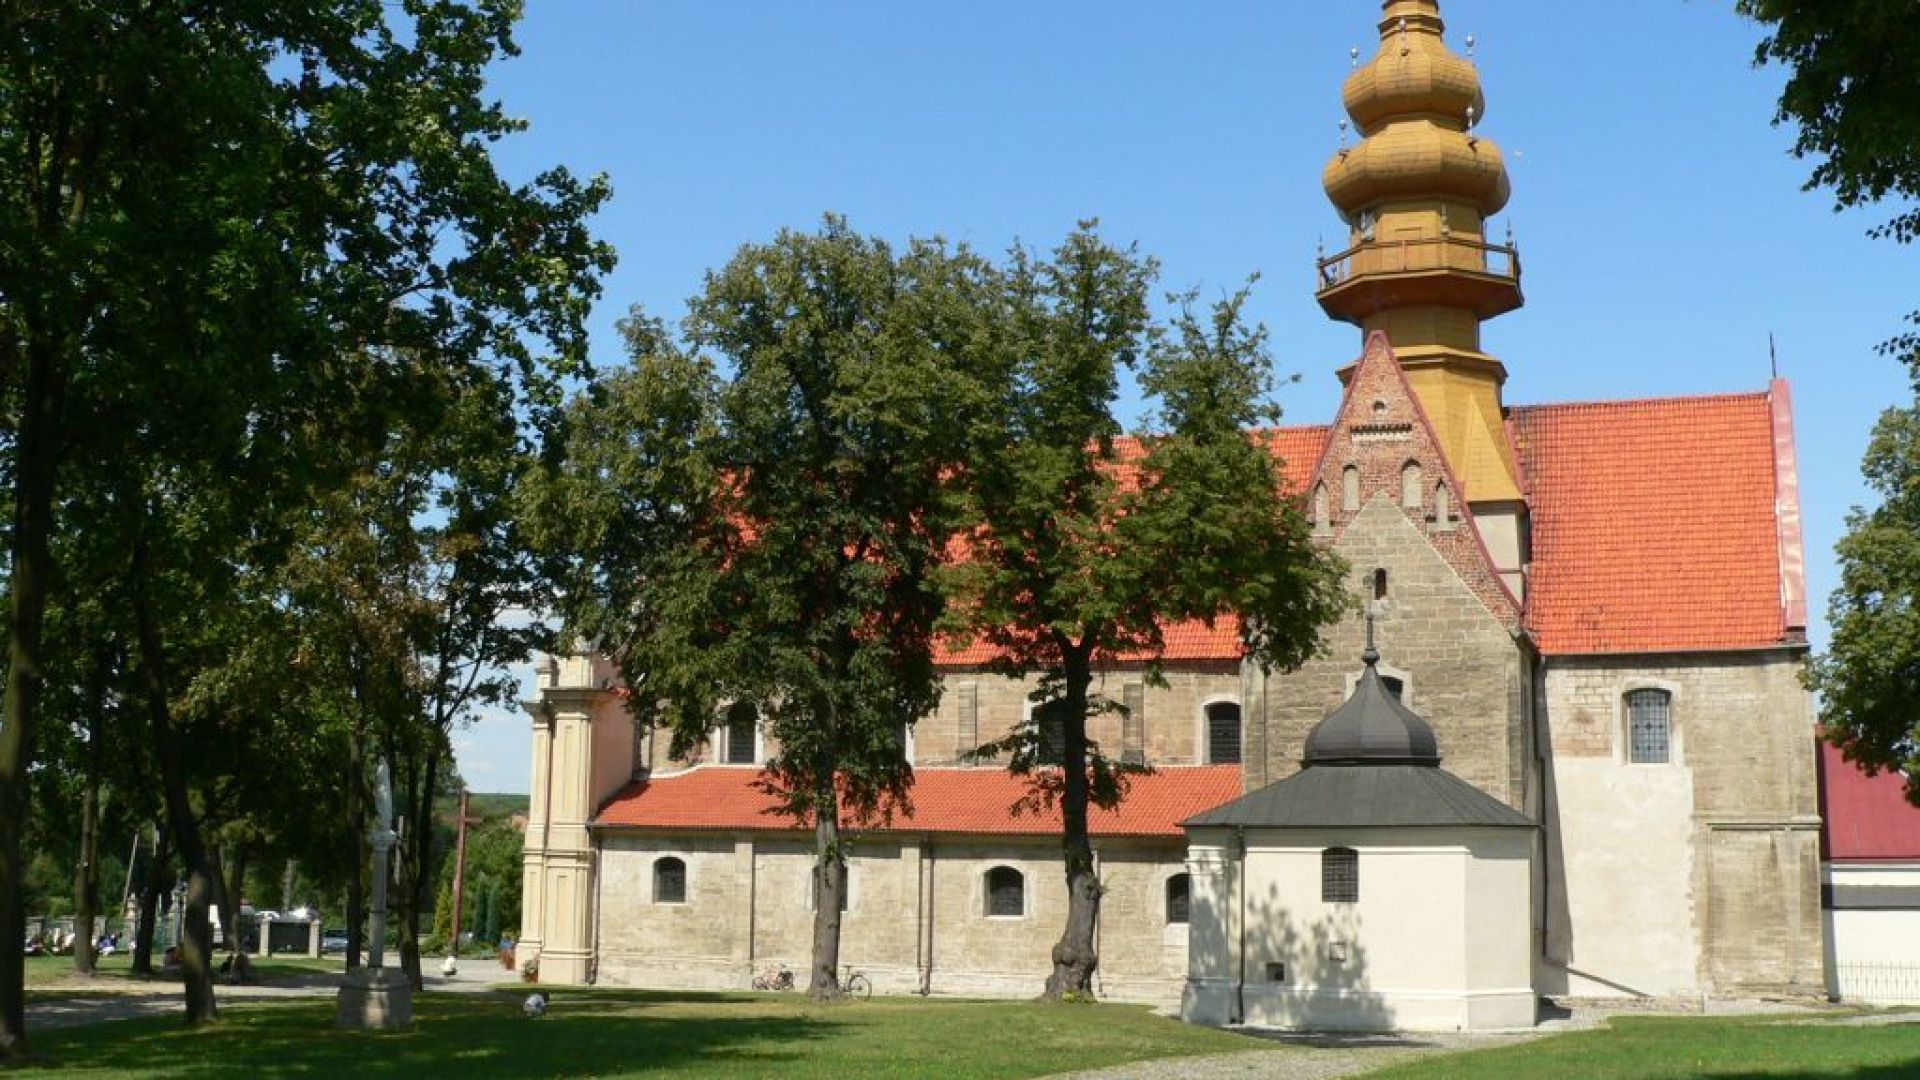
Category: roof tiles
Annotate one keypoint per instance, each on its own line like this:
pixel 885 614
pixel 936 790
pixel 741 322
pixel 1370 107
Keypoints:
pixel 1653 524
pixel 964 801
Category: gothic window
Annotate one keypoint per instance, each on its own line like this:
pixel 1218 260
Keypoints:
pixel 742 721
pixel 1442 507
pixel 669 881
pixel 1223 732
pixel 1649 727
pixel 1006 893
pixel 1379 581
pixel 1178 887
pixel 1411 492
pixel 1319 508
pixel 1350 489
pixel 1339 876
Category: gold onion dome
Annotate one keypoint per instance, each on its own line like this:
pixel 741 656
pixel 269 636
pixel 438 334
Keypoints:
pixel 1415 104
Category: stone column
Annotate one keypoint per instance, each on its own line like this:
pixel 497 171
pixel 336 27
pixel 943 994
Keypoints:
pixel 566 945
pixel 313 940
pixel 533 887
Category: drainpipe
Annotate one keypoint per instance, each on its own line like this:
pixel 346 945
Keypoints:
pixel 593 955
pixel 1099 969
pixel 1240 883
pixel 926 916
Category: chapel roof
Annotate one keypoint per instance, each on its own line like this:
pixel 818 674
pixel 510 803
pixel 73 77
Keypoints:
pixel 1372 727
pixel 1381 796
pixel 1865 818
pixel 970 801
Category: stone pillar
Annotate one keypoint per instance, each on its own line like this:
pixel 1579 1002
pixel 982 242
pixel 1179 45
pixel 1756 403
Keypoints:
pixel 533 888
pixel 566 900
pixel 313 940
pixel 263 937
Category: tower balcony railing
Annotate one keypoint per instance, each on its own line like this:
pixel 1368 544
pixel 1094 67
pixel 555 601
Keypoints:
pixel 1428 253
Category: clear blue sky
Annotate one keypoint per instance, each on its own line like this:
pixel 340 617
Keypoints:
pixel 1660 218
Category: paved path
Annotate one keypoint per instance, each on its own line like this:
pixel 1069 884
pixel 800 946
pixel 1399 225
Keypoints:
pixel 72 1001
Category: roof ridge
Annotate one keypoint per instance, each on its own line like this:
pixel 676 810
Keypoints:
pixel 1672 399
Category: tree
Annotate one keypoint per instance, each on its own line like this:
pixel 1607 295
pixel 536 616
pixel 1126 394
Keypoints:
pixel 769 537
pixel 1854 94
pixel 1090 543
pixel 219 228
pixel 1868 680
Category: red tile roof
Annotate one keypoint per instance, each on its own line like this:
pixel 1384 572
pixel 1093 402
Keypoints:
pixel 970 801
pixel 1653 524
pixel 1865 817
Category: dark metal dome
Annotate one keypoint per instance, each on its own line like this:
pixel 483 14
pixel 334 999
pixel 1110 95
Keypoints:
pixel 1372 727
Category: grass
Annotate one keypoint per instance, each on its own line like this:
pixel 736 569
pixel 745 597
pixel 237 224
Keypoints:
pixel 634 1033
pixel 1651 1048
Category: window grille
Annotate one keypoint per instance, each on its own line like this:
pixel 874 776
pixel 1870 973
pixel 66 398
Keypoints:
pixel 742 719
pixel 1006 893
pixel 1179 887
pixel 1649 727
pixel 669 881
pixel 1340 876
pixel 1223 733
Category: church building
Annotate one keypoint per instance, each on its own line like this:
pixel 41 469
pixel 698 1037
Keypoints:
pixel 1560 748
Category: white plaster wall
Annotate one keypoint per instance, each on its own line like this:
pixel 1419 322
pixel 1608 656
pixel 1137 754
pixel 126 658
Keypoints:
pixel 1624 920
pixel 1439 940
pixel 1873 956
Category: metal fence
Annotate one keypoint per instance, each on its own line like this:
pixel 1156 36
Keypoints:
pixel 1878 982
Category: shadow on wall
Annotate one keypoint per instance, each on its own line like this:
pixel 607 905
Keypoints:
pixel 1298 974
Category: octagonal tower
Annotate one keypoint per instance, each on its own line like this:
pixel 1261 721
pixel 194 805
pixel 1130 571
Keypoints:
pixel 1416 194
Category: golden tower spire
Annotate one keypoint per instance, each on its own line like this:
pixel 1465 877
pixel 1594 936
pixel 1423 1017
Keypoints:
pixel 1416 194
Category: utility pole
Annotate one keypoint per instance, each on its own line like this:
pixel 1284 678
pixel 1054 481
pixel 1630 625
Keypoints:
pixel 459 871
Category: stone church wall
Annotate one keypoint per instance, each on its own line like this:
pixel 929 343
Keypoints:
pixel 1721 842
pixel 748 909
pixel 1462 668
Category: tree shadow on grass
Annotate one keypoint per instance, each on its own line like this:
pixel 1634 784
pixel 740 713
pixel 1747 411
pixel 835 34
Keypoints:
pixel 472 1036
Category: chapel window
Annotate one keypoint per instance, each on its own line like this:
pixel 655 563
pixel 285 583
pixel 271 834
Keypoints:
pixel 1411 491
pixel 1649 727
pixel 669 881
pixel 1223 732
pixel 1350 489
pixel 1178 895
pixel 1006 893
pixel 742 721
pixel 1339 876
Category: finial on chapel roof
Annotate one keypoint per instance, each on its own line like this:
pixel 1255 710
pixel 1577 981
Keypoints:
pixel 1370 655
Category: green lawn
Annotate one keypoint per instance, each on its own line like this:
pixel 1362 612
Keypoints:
pixel 633 1033
pixel 1645 1048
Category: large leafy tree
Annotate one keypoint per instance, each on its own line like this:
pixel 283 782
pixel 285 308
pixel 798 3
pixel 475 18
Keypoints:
pixel 232 239
pixel 1853 93
pixel 1089 542
pixel 768 536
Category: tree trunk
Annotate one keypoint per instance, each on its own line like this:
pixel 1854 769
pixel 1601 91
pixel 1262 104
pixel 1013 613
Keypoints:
pixel 152 884
pixel 1074 955
pixel 236 928
pixel 829 885
pixel 196 944
pixel 36 451
pixel 86 876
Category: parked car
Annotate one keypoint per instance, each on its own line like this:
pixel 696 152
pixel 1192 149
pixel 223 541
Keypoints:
pixel 333 941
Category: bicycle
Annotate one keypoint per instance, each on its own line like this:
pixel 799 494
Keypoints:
pixel 774 978
pixel 856 985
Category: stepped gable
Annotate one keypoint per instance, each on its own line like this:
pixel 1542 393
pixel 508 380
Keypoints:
pixel 976 801
pixel 1382 428
pixel 1654 524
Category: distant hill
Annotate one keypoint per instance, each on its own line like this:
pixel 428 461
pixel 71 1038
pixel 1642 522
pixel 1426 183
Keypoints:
pixel 485 805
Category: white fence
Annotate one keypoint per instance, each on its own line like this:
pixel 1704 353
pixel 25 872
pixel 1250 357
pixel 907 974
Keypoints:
pixel 1878 983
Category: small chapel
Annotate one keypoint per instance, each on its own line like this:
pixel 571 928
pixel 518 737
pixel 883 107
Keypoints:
pixel 1559 748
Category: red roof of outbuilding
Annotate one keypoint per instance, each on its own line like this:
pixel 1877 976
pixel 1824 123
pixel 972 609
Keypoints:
pixel 1654 526
pixel 971 801
pixel 1865 817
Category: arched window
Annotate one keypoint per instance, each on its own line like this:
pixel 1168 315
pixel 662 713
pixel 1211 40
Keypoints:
pixel 1178 888
pixel 1649 727
pixel 1442 511
pixel 1049 732
pixel 1411 493
pixel 1320 508
pixel 669 880
pixel 1350 489
pixel 1339 876
pixel 742 721
pixel 1223 732
pixel 1006 893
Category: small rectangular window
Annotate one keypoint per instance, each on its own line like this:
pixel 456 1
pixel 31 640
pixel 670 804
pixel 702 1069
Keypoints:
pixel 1649 727
pixel 1340 876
